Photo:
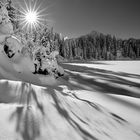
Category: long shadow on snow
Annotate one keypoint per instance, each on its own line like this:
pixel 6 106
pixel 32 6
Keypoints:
pixel 108 76
pixel 64 112
pixel 89 62
pixel 27 122
pixel 96 70
pixel 63 108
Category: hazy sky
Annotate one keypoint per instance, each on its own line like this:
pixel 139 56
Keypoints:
pixel 73 18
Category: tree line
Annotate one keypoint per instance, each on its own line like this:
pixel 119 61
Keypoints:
pixel 99 47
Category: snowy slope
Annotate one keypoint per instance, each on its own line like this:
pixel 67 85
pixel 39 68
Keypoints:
pixel 95 101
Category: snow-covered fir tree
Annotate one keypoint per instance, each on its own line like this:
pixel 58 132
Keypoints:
pixel 37 45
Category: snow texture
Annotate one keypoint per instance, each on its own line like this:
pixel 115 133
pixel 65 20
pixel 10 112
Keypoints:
pixel 89 103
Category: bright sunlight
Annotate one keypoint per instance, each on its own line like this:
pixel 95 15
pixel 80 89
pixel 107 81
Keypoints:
pixel 31 17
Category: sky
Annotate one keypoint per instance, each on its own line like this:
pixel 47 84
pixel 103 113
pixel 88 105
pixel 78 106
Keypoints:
pixel 74 18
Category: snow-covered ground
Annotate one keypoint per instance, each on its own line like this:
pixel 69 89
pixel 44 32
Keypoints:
pixel 97 100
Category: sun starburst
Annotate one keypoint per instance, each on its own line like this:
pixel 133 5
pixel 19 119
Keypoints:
pixel 31 15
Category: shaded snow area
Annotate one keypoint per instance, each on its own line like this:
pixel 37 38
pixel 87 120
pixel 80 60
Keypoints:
pixel 97 100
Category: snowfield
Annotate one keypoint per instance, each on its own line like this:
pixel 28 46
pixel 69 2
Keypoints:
pixel 97 100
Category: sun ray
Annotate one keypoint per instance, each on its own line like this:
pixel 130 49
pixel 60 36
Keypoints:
pixel 34 7
pixel 31 15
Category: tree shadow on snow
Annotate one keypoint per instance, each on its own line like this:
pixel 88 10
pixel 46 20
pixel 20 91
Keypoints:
pixel 103 81
pixel 26 116
pixel 89 62
pixel 27 121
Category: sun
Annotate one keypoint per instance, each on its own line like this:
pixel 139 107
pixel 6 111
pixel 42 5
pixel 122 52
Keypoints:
pixel 32 15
